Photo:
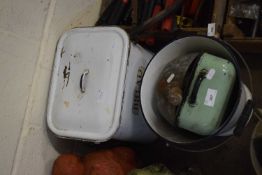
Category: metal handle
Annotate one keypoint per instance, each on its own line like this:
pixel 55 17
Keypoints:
pixel 244 118
pixel 200 78
pixel 83 80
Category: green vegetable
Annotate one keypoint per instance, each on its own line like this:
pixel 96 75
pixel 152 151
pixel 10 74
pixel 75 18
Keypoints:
pixel 157 169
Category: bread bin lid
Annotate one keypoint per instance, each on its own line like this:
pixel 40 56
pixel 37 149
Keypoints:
pixel 87 84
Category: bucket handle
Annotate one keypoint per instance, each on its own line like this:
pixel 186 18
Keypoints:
pixel 247 111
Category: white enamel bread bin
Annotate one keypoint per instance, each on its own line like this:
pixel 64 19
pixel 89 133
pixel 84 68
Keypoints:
pixel 94 91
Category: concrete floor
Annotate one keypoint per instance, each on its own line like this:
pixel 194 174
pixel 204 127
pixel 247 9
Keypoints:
pixel 29 31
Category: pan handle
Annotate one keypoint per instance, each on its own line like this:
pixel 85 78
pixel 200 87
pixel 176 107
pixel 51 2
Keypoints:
pixel 244 118
pixel 201 76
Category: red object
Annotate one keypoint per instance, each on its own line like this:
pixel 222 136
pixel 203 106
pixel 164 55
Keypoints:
pixel 68 164
pixel 157 9
pixel 117 161
pixel 150 41
pixel 168 23
pixel 126 158
pixel 125 1
pixel 169 3
pixel 194 7
pixel 191 7
pixel 102 163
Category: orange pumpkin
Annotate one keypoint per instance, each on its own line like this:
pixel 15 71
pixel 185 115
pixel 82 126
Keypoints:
pixel 116 161
pixel 68 164
pixel 125 157
pixel 102 163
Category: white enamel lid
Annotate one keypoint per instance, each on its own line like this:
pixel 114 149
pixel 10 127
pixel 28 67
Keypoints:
pixel 87 83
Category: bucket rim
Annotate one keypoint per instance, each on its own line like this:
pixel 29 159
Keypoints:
pixel 234 57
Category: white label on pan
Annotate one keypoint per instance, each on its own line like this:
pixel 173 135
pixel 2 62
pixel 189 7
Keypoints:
pixel 210 97
pixel 170 78
pixel 210 74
